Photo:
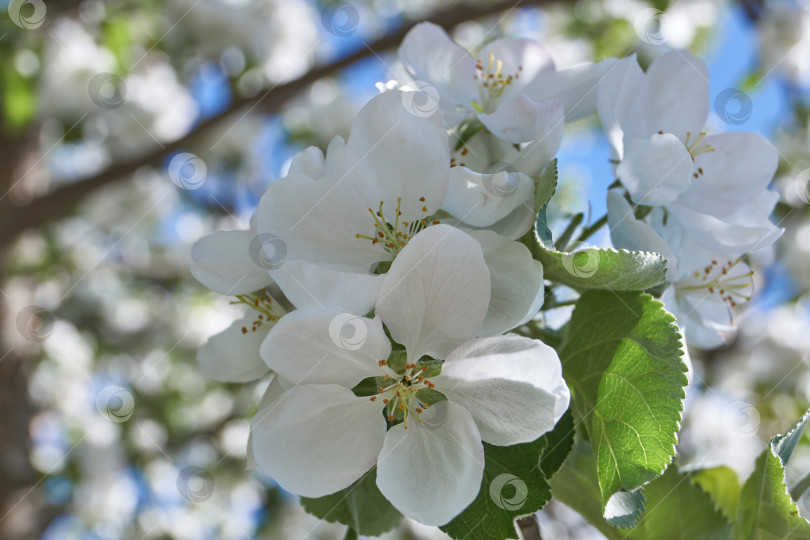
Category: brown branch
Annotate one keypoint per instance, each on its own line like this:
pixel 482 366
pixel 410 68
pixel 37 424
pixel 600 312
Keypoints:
pixel 59 202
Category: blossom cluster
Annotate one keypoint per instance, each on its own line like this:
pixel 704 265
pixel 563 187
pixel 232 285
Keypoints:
pixel 384 278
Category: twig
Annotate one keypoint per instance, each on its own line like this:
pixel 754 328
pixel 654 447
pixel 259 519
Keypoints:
pixel 59 202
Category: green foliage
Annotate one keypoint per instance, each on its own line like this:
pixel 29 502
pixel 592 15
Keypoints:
pixel 622 358
pixel 765 510
pixel 361 506
pixel 587 268
pixel 514 485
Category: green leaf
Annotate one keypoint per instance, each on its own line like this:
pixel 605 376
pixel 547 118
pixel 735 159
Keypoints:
pixel 593 268
pixel 361 506
pixel 722 485
pixel 765 510
pixel 672 497
pixel 545 185
pixel 622 358
pixel 514 484
pixel 576 486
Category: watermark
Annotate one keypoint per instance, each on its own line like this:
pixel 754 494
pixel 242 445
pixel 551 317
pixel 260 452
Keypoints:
pixel 35 323
pixel 348 331
pixel 116 404
pixel 508 492
pixel 28 14
pixel 107 90
pixel 801 186
pixel 195 484
pixel 734 106
pixel 742 417
pixel 581 260
pixel 187 171
pixel 649 26
pixel 267 251
pixel 340 18
pixel 422 101
pixel 501 180
pixel 435 415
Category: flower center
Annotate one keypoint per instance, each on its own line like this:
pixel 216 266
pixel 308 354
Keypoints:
pixel 262 303
pixel 393 235
pixel 401 397
pixel 491 83
pixel 719 280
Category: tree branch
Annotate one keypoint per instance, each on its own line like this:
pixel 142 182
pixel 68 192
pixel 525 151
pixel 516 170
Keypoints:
pixel 59 202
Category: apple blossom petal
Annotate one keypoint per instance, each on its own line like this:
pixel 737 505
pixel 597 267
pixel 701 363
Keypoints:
pixel 318 439
pixel 318 221
pixel 745 234
pixel 526 58
pixel 678 93
pixel 620 103
pixel 309 162
pixel 311 285
pixel 431 472
pixel 576 87
pixel 233 355
pixel 512 386
pixel 313 346
pixel 222 261
pixel 436 293
pixel 431 56
pixel 632 234
pixel 481 199
pixel 655 170
pixel 736 172
pixel 517 223
pixel 395 154
pixel 521 119
pixel 516 281
pixel 335 165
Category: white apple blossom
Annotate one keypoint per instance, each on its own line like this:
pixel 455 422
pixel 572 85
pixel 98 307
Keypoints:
pixel 344 216
pixel 705 285
pixel 511 86
pixel 708 188
pixel 319 437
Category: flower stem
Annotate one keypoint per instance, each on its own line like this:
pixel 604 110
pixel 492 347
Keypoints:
pixel 588 231
pixel 530 528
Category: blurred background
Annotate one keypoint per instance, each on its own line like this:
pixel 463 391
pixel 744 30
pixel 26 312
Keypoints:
pixel 128 129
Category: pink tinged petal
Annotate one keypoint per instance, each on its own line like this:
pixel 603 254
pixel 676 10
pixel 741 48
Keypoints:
pixel 678 86
pixel 233 354
pixel 309 162
pixel 318 221
pixel 318 439
pixel 512 386
pixel 526 58
pixel 312 285
pixel 436 294
pixel 576 87
pixel 310 346
pixel 629 233
pixel 655 170
pixel 397 154
pixel 521 119
pixel 516 280
pixel 223 262
pixel 620 103
pixel 737 172
pixel 431 56
pixel 431 472
pixel 481 199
